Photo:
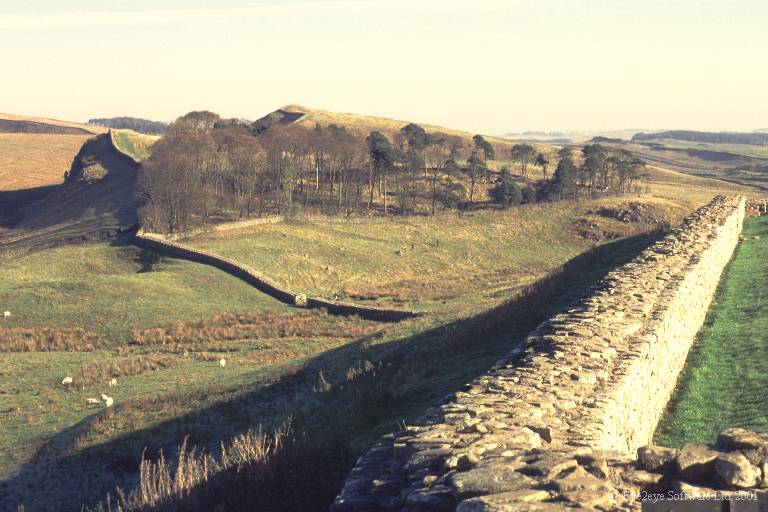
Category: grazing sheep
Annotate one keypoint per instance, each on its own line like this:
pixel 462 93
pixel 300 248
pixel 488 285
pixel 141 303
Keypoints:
pixel 91 401
pixel 112 383
pixel 66 381
pixel 6 314
pixel 109 401
pixel 222 362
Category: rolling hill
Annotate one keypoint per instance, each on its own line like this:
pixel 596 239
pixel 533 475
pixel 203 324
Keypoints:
pixel 13 123
pixel 361 124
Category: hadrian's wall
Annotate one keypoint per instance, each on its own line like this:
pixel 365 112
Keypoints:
pixel 555 424
pixel 263 283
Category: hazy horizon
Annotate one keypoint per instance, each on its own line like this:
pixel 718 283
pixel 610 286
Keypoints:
pixel 494 66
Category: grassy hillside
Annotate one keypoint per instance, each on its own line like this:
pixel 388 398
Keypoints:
pixel 36 160
pixel 424 262
pixel 134 143
pixel 362 124
pixel 726 376
pixel 94 203
pixel 54 123
pixel 160 326
pixel 746 167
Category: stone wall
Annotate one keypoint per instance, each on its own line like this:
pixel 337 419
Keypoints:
pixel 556 422
pixel 263 283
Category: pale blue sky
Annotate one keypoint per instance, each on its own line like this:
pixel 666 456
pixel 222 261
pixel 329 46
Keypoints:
pixel 488 66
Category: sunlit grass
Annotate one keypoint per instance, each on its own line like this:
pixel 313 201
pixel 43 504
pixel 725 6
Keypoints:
pixel 725 382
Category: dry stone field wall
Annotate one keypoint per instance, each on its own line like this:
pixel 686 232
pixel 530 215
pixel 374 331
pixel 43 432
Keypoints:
pixel 557 422
pixel 263 283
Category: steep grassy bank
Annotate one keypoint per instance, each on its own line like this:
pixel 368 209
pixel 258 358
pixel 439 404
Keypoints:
pixel 725 382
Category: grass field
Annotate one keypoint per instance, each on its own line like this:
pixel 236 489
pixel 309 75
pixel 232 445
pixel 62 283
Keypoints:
pixel 736 149
pixel 364 124
pixel 725 382
pixel 135 144
pixel 161 333
pixel 36 160
pixel 99 311
pixel 423 263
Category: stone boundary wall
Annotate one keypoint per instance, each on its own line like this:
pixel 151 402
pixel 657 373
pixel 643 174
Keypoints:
pixel 263 283
pixel 555 423
pixel 225 226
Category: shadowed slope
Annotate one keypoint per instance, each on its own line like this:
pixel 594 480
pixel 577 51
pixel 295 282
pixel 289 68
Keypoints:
pixel 95 201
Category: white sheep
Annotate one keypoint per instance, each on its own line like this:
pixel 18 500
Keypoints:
pixel 91 401
pixel 66 381
pixel 6 314
pixel 222 362
pixel 113 382
pixel 107 399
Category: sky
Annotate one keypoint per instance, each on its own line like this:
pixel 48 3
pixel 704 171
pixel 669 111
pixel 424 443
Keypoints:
pixel 487 66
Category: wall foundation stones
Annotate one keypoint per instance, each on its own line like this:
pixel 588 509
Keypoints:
pixel 558 423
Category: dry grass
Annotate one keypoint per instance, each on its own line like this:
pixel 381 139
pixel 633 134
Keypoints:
pixel 423 261
pixel 47 339
pixel 102 372
pixel 178 484
pixel 363 124
pixel 134 143
pixel 54 122
pixel 36 160
pixel 256 325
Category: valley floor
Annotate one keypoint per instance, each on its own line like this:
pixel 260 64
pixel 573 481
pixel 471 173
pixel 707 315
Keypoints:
pixel 725 382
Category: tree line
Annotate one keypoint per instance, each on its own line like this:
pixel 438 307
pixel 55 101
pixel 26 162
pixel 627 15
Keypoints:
pixel 132 123
pixel 750 138
pixel 206 169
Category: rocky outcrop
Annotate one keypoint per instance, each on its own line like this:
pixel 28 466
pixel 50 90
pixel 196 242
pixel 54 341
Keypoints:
pixel 557 422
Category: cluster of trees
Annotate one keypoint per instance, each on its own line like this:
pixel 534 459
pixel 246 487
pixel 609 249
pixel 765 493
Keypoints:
pixel 601 171
pixel 206 168
pixel 132 123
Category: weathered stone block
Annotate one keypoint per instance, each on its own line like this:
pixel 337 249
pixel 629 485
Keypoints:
pixel 696 462
pixel 489 479
pixel 656 458
pixel 736 470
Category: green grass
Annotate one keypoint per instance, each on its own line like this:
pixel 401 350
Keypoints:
pixel 425 263
pixel 136 144
pixel 101 288
pixel 725 382
pixel 481 260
